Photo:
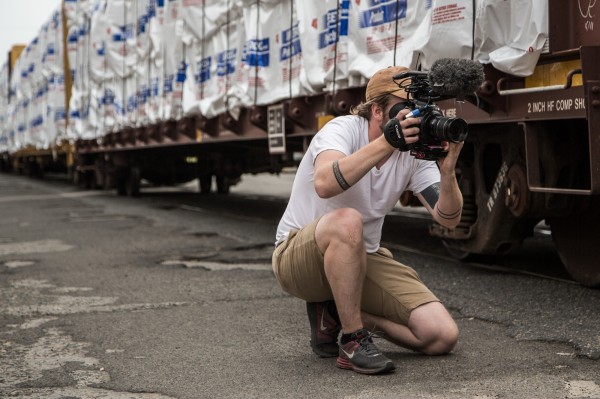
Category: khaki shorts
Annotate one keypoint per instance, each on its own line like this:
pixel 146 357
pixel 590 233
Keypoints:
pixel 391 289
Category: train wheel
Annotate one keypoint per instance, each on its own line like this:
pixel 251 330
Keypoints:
pixel 133 182
pixel 576 240
pixel 121 181
pixel 454 251
pixel 223 184
pixel 205 183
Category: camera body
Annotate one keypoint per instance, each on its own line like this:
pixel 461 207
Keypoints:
pixel 434 128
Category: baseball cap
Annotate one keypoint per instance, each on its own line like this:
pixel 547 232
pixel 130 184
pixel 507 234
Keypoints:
pixel 382 82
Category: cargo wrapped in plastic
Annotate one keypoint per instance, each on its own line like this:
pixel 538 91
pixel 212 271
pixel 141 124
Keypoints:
pixel 324 31
pixel 383 34
pixel 5 131
pixel 511 35
pixel 36 100
pixel 140 62
pixel 271 59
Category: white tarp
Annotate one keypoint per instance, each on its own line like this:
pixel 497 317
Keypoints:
pixel 446 21
pixel 323 28
pixel 214 66
pixel 34 111
pixel 138 62
pixel 271 58
pixel 511 35
pixel 4 109
pixel 384 33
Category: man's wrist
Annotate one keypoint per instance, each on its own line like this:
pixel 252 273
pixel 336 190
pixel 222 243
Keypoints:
pixel 390 148
pixel 448 174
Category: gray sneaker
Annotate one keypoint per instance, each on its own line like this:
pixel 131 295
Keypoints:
pixel 361 355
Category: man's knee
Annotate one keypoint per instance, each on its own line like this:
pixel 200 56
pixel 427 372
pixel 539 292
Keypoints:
pixel 348 218
pixel 435 328
pixel 442 341
pixel 343 225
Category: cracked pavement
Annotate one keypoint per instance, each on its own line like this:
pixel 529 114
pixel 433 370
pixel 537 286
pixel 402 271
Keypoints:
pixel 110 297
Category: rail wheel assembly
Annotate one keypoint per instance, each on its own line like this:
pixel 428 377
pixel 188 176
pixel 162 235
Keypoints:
pixel 491 177
pixel 500 211
pixel 577 242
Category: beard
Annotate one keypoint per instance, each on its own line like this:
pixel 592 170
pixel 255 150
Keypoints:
pixel 383 123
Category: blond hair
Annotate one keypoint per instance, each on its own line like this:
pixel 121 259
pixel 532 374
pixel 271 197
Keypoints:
pixel 364 108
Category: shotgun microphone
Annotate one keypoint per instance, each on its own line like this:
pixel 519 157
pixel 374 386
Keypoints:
pixel 451 77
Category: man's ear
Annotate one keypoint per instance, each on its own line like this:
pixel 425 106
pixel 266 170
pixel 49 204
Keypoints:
pixel 376 111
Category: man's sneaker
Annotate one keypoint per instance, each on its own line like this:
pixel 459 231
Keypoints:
pixel 361 355
pixel 324 328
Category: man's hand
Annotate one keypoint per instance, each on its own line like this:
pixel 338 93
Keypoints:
pixel 448 163
pixel 448 209
pixel 399 132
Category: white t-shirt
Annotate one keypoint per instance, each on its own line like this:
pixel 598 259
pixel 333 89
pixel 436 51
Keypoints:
pixel 373 196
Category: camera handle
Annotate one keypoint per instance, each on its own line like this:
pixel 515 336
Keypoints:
pixel 394 135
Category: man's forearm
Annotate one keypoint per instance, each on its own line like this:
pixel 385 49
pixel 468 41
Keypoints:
pixel 351 168
pixel 448 209
pixel 356 165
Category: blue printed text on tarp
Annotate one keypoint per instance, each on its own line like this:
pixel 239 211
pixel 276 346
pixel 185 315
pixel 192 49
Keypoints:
pixel 290 45
pixel 226 62
pixel 332 31
pixel 256 52
pixel 382 12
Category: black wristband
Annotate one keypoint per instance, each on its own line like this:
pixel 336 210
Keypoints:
pixel 339 177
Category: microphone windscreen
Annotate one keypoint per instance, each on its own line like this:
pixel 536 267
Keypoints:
pixel 456 77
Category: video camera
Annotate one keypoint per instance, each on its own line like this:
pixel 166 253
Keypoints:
pixel 447 79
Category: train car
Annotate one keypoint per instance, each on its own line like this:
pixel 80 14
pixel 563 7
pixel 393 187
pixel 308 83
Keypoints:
pixel 36 85
pixel 533 151
pixel 166 91
pixel 5 73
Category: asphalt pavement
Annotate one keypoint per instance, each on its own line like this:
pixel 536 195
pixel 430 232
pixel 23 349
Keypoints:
pixel 171 295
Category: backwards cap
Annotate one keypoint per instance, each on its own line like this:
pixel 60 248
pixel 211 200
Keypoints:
pixel 382 82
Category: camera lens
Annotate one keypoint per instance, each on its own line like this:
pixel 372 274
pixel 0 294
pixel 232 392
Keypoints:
pixel 443 128
pixel 450 129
